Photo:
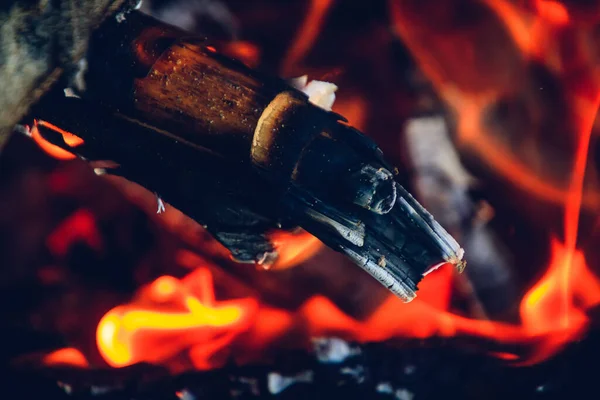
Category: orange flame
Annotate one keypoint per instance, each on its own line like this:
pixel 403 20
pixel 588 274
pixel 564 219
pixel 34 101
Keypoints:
pixel 294 248
pixel 66 356
pixel 53 150
pixel 172 316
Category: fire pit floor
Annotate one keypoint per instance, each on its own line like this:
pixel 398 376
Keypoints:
pixel 336 369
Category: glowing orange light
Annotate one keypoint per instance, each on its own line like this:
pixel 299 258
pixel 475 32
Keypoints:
pixel 69 138
pixel 246 52
pixel 48 147
pixel 163 288
pixel 67 356
pixel 307 33
pixel 294 249
pixel 79 226
pixel 152 333
pixel 552 11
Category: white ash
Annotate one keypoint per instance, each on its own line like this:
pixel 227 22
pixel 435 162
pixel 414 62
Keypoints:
pixel 66 387
pixel 160 204
pixel 277 383
pixel 98 390
pixel 385 388
pixel 358 373
pixel 121 16
pixel 440 179
pixel 250 383
pixel 430 148
pixel 399 394
pixel 78 80
pixel 320 93
pixel 69 92
pixel 409 369
pixel 333 350
pixel 23 129
pixel 404 394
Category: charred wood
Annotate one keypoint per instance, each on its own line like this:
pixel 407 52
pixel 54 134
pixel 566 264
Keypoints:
pixel 243 152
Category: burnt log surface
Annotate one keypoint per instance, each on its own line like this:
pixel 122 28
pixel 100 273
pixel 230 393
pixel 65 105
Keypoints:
pixel 334 369
pixel 243 152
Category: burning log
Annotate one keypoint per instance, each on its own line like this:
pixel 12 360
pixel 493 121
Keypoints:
pixel 240 152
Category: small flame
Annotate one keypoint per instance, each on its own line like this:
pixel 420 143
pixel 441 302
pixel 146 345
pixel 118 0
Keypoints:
pixel 294 248
pixel 66 356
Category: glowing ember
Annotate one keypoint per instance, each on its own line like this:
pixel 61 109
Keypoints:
pixel 294 249
pixel 79 226
pixel 53 150
pixel 67 356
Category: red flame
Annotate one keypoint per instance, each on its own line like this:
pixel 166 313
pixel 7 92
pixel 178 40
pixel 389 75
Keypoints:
pixel 79 226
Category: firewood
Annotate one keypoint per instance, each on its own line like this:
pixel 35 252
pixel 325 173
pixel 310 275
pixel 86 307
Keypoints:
pixel 242 152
